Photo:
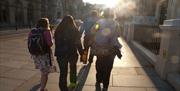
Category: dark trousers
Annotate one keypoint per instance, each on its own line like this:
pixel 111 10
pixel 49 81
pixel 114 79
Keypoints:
pixel 63 66
pixel 104 65
pixel 87 45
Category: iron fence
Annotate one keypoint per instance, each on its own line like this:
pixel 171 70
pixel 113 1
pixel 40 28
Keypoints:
pixel 148 36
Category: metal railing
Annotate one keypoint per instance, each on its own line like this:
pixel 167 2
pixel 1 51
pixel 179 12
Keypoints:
pixel 148 36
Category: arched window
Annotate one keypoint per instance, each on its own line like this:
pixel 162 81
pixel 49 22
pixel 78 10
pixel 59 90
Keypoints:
pixel 4 9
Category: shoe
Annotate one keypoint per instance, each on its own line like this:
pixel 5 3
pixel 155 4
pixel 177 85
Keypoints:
pixel 104 89
pixel 72 85
pixel 98 86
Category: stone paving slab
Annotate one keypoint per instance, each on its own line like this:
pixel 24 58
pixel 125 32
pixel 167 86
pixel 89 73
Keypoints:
pixel 123 71
pixel 126 89
pixel 7 55
pixel 29 84
pixel 132 80
pixel 13 31
pixel 8 84
pixel 146 71
pixel 7 59
pixel 53 87
pixel 91 78
pixel 92 88
pixel 126 62
pixel 120 67
pixel 19 74
pixel 13 64
pixel 29 66
pixel 159 89
pixel 53 78
pixel 15 53
pixel 4 69
pixel 138 81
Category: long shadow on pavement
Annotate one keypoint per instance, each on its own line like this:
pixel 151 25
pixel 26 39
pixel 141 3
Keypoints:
pixel 35 88
pixel 150 71
pixel 82 76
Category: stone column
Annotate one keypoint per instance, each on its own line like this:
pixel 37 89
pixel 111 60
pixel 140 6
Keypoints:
pixel 52 10
pixel 178 9
pixel 158 10
pixel 12 15
pixel 173 9
pixel 25 12
pixel 37 12
pixel 169 58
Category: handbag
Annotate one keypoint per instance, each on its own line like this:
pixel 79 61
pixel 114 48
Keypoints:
pixel 84 56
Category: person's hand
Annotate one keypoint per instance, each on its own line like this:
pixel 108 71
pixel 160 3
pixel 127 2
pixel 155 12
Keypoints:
pixel 118 52
pixel 119 55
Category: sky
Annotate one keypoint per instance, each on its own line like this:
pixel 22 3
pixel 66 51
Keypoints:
pixel 108 3
pixel 126 8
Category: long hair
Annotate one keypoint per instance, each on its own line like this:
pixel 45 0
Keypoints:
pixel 43 23
pixel 67 24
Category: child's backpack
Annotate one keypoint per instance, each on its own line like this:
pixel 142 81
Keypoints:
pixel 36 42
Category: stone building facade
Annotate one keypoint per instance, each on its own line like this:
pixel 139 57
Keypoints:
pixel 72 7
pixel 146 7
pixel 23 13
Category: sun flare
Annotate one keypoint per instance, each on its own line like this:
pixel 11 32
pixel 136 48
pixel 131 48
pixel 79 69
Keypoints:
pixel 123 8
pixel 107 3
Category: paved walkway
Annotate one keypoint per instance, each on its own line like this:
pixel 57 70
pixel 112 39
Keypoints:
pixel 17 71
pixel 131 73
pixel 13 31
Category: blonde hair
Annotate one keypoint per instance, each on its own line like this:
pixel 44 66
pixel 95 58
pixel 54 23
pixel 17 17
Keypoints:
pixel 43 23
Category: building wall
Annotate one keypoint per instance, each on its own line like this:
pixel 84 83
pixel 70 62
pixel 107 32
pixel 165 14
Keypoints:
pixel 52 10
pixel 146 7
pixel 22 13
pixel 161 11
pixel 72 7
pixel 167 9
pixel 173 9
pixel 59 9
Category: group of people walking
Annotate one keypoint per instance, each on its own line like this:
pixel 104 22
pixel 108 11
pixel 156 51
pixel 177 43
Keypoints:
pixel 101 40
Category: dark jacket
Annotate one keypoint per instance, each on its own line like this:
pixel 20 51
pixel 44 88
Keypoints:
pixel 67 42
pixel 88 24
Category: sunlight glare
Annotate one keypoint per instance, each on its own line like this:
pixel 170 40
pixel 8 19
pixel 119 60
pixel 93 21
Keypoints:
pixel 123 8
pixel 107 3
